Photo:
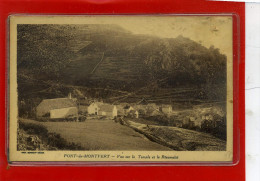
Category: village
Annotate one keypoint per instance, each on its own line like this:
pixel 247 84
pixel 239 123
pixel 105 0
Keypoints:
pixel 71 123
pixel 108 88
pixel 72 109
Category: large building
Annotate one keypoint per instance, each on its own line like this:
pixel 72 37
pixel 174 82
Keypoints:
pixel 107 110
pixel 57 108
pixel 102 109
pixel 93 108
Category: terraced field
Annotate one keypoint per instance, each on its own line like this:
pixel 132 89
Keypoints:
pixel 81 67
pixel 130 68
pixel 179 138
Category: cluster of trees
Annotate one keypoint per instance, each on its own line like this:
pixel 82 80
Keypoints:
pixel 216 126
pixel 27 107
pixel 185 61
pixel 43 50
pixel 48 49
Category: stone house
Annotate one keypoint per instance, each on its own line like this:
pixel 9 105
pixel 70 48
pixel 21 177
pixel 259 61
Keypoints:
pixel 57 108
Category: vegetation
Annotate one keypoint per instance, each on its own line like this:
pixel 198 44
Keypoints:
pixel 159 119
pixel 178 138
pixel 53 140
pixel 210 120
pixel 56 55
pixel 112 64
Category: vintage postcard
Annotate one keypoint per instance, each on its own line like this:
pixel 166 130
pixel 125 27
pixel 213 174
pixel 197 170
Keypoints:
pixel 121 88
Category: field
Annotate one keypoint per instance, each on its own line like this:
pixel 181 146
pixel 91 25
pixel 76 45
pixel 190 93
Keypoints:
pixel 101 135
pixel 108 135
pixel 179 138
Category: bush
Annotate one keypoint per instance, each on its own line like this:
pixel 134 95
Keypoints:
pixel 216 128
pixel 82 118
pixel 53 140
pixel 32 128
pixel 26 107
pixel 161 120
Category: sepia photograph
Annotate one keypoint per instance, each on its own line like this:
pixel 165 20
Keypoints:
pixel 102 87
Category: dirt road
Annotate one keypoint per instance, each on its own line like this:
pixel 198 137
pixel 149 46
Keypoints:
pixel 102 135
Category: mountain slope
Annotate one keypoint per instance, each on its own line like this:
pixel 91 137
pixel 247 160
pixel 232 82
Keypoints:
pixel 107 56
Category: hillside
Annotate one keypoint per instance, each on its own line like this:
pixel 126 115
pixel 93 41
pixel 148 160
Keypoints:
pixel 57 57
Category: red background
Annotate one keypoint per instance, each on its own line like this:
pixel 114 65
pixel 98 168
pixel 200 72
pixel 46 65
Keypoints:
pixel 201 173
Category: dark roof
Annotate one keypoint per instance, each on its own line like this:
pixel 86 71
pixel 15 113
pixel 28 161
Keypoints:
pixel 58 103
pixel 85 102
pixel 127 107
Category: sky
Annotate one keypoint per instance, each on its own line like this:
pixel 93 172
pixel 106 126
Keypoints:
pixel 207 30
